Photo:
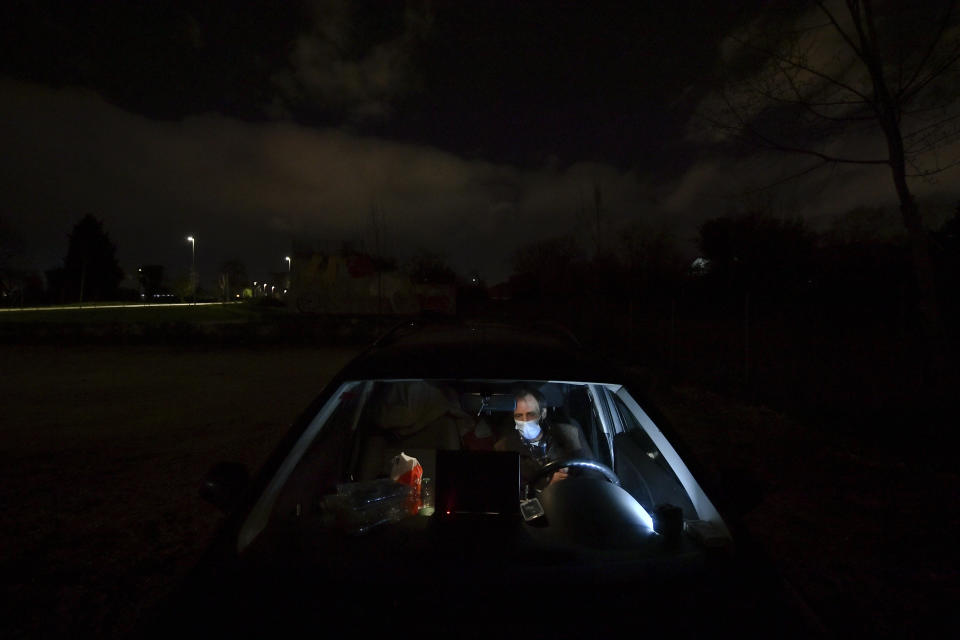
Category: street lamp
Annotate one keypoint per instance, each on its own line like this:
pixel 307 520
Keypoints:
pixel 288 263
pixel 193 269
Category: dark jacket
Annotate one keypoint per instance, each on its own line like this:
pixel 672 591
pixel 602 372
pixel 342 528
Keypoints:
pixel 559 441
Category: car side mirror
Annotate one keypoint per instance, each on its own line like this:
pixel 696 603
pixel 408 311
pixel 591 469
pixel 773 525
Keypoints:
pixel 224 485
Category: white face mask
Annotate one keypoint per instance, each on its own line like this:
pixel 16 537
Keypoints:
pixel 528 430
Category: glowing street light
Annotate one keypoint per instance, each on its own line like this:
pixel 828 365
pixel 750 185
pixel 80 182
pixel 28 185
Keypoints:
pixel 193 269
pixel 288 263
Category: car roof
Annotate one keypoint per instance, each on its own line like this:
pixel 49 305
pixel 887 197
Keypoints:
pixel 458 349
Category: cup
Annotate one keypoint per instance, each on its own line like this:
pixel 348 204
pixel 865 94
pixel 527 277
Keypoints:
pixel 426 496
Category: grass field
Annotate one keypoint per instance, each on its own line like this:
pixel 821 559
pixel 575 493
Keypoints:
pixel 102 450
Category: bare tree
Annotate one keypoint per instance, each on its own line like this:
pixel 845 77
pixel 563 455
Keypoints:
pixel 853 82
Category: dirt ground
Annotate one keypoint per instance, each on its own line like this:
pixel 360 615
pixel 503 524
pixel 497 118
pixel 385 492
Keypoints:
pixel 867 534
pixel 102 450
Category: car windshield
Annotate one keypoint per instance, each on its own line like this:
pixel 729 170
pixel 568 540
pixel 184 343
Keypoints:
pixel 383 451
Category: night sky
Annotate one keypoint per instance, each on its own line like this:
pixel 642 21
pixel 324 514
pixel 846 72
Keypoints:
pixel 473 129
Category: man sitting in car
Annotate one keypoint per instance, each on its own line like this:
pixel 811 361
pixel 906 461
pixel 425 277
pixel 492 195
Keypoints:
pixel 540 441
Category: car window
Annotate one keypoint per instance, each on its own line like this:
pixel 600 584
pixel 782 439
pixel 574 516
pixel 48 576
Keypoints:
pixel 371 455
pixel 325 461
pixel 382 420
pixel 643 470
pixel 581 408
pixel 652 470
pixel 632 425
pixel 315 457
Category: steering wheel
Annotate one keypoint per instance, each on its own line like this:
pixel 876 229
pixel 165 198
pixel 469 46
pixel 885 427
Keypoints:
pixel 579 463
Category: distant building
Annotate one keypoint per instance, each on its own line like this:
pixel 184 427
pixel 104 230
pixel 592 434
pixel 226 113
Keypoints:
pixel 501 292
pixel 352 285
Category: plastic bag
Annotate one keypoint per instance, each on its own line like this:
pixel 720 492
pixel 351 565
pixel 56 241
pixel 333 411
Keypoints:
pixel 407 470
pixel 357 507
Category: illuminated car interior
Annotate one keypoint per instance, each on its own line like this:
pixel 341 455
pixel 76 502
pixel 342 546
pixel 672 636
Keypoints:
pixel 350 447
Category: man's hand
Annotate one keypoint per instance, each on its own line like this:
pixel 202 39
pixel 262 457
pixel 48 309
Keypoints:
pixel 561 474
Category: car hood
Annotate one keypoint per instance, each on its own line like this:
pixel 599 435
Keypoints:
pixel 474 577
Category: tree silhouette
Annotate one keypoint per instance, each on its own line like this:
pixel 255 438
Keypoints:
pixel 550 269
pixel 649 255
pixel 10 244
pixel 809 80
pixel 182 287
pixel 428 267
pixel 948 244
pixel 90 268
pixel 757 252
pixel 11 285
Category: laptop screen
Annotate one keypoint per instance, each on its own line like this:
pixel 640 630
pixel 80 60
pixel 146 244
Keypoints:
pixel 478 483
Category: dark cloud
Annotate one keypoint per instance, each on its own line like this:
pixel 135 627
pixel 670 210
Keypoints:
pixel 508 82
pixel 252 189
pixel 163 59
pixel 339 67
pixel 820 108
pixel 472 129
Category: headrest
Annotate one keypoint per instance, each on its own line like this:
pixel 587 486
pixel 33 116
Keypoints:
pixel 409 406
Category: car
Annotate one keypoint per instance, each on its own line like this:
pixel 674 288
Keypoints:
pixel 393 507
